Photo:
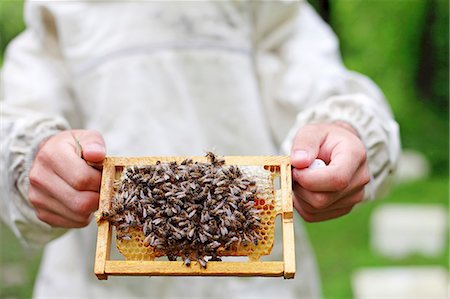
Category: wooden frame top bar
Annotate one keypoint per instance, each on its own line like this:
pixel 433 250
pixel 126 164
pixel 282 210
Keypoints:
pixel 229 160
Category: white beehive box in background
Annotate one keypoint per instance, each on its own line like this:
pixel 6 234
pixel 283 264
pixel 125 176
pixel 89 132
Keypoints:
pixel 399 230
pixel 401 282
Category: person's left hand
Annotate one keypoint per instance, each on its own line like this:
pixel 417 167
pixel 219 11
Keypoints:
pixel 331 191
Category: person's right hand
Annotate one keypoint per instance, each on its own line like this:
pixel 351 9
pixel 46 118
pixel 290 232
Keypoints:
pixel 64 189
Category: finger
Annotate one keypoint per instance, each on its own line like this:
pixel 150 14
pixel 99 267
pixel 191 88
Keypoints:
pixel 336 176
pixel 41 200
pixel 56 220
pixel 61 154
pixel 92 144
pixel 79 202
pixel 323 199
pixel 312 203
pixel 74 170
pixel 308 217
pixel 306 145
pixel 317 200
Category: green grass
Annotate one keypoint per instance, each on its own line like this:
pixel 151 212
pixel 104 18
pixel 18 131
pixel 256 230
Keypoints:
pixel 24 262
pixel 342 245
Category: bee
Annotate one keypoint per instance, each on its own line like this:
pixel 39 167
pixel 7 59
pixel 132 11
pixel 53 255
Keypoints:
pixel 144 213
pixel 202 262
pixel 191 233
pixel 191 214
pixel 106 214
pixel 202 237
pixel 157 221
pixel 223 230
pixel 167 194
pixel 187 261
pixel 125 238
pixel 169 212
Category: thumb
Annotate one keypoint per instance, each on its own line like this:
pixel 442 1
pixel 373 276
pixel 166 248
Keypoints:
pixel 92 145
pixel 306 146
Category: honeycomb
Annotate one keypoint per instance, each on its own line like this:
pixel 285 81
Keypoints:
pixel 267 202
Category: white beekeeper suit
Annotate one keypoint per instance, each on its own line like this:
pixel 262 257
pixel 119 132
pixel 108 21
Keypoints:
pixel 175 78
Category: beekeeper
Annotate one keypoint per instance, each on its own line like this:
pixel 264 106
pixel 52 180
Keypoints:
pixel 179 78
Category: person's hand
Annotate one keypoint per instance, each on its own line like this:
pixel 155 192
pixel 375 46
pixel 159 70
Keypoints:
pixel 64 189
pixel 331 191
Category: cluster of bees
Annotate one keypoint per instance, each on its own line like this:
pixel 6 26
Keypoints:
pixel 190 210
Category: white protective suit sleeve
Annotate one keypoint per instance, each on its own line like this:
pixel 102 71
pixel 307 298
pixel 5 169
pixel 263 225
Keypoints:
pixel 302 73
pixel 35 104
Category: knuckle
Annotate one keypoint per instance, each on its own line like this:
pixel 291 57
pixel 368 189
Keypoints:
pixel 320 201
pixel 86 205
pixel 46 154
pixel 35 177
pixel 340 182
pixel 43 216
pixel 360 153
pixel 83 221
pixel 80 181
pixel 303 205
pixel 306 183
pixel 307 208
pixel 308 217
pixel 298 193
pixel 363 154
pixel 84 208
pixel 32 194
pixel 365 177
pixel 36 202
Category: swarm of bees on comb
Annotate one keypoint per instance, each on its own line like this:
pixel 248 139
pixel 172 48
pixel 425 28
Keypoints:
pixel 190 210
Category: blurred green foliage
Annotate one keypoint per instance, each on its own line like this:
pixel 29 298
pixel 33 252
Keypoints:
pixel 11 22
pixel 404 47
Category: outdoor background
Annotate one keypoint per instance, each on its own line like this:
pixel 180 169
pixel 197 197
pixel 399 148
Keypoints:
pixel 403 47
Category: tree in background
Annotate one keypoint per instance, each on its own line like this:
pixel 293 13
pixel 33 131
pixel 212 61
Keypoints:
pixel 404 47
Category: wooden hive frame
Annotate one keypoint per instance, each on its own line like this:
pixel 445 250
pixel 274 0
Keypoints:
pixel 104 266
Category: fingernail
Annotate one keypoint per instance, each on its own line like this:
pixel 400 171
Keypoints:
pixel 299 155
pixel 94 147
